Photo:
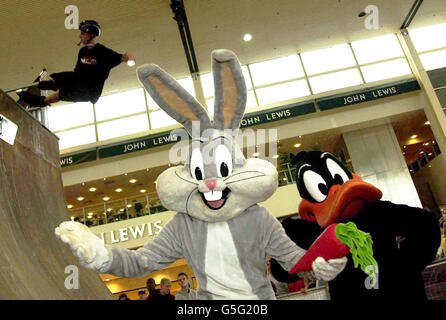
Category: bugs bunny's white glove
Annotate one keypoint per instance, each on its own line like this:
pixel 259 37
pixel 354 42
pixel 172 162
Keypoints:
pixel 325 270
pixel 88 248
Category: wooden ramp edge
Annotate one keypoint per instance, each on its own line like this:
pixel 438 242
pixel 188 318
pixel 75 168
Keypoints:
pixel 33 261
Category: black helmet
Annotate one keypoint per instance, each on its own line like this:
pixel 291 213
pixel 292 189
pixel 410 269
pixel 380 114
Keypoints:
pixel 90 26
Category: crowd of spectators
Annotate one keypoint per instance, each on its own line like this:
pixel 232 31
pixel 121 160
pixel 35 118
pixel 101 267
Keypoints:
pixel 163 293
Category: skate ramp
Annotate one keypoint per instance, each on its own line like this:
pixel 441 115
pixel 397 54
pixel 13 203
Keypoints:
pixel 32 260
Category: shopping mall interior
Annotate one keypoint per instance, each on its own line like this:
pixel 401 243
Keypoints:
pixel 320 75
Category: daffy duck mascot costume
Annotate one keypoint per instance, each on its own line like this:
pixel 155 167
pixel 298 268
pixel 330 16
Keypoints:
pixel 405 239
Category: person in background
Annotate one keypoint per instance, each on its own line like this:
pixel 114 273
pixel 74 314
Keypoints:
pixel 186 292
pixel 278 286
pixel 123 297
pixel 92 69
pixel 142 294
pixel 164 292
pixel 151 288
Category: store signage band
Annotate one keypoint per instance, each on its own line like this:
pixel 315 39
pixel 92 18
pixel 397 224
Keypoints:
pixel 369 95
pixel 78 158
pixel 168 137
pixel 131 233
pixel 251 119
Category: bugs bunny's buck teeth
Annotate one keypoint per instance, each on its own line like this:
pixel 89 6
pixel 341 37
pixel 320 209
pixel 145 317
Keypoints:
pixel 213 195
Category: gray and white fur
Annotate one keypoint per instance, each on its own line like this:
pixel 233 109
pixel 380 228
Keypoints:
pixel 220 229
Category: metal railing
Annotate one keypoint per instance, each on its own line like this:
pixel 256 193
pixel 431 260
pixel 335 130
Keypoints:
pixel 40 114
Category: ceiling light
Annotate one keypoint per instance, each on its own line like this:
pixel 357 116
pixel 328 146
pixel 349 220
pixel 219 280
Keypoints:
pixel 429 154
pixel 297 145
pixel 106 198
pixel 125 174
pixel 284 179
pixel 92 189
pixel 414 136
pixel 421 152
pixel 256 154
pixel 143 190
pixel 427 123
pixel 275 156
pixel 118 190
pixel 247 37
pixel 405 147
pixel 122 209
pixel 132 180
pixel 69 206
pixel 80 198
pixel 105 179
pixel 83 183
pixel 129 206
pixel 109 209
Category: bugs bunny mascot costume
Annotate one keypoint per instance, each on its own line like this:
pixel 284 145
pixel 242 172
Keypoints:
pixel 219 229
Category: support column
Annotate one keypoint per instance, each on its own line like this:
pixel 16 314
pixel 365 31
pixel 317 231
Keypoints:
pixel 198 89
pixel 433 109
pixel 376 156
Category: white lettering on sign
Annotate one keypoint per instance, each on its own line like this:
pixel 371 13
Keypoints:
pixel 162 140
pixel 123 235
pixel 134 146
pixel 250 121
pixel 278 115
pixel 383 92
pixel 66 161
pixel 136 232
pixel 355 98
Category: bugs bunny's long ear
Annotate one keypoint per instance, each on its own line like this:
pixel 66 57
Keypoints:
pixel 230 90
pixel 173 98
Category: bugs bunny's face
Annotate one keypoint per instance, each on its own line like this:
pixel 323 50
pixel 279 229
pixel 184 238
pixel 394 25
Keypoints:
pixel 217 182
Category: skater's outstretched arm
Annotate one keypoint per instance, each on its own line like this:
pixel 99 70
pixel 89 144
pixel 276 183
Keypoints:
pixel 128 56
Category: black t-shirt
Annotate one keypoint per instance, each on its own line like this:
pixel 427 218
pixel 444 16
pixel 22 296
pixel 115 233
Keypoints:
pixel 94 64
pixel 156 296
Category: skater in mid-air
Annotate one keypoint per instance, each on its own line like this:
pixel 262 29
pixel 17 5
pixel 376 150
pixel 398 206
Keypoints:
pixel 86 82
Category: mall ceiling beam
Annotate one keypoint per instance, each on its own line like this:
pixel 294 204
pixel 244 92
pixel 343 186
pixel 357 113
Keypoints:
pixel 180 17
pixel 412 12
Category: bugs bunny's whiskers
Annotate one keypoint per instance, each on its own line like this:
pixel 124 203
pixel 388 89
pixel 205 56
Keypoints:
pixel 263 175
pixel 243 173
pixel 185 179
pixel 187 201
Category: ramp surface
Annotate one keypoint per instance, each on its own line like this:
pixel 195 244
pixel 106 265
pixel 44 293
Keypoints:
pixel 32 260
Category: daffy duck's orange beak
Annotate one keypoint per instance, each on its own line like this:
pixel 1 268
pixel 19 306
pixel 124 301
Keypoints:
pixel 342 203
